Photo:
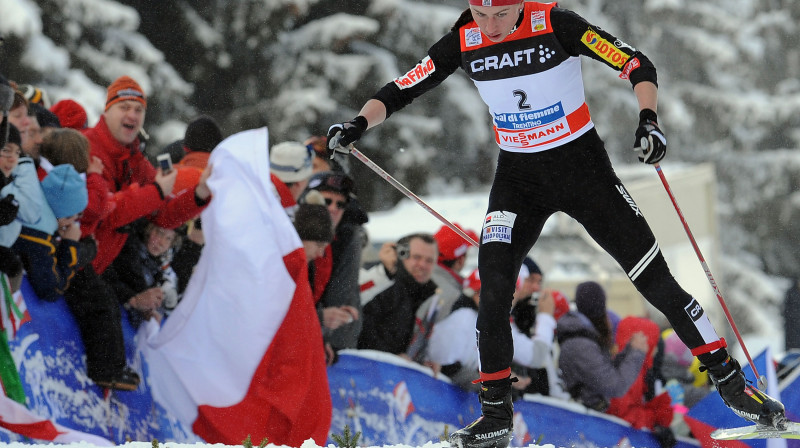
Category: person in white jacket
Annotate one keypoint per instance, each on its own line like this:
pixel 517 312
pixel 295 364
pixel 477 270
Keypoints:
pixel 452 344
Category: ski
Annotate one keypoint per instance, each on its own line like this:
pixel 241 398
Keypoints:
pixel 792 431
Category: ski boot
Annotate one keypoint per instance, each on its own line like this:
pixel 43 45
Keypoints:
pixel 493 429
pixel 745 400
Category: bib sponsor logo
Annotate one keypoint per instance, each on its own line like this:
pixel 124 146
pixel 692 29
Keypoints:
pixel 538 21
pixel 603 48
pixel 473 37
pixel 529 120
pixel 515 59
pixel 694 310
pixel 416 74
pixel 632 65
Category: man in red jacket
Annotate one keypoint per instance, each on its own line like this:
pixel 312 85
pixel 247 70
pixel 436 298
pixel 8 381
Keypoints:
pixel 138 191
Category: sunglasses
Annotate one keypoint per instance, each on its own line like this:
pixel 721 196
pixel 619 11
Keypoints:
pixel 339 204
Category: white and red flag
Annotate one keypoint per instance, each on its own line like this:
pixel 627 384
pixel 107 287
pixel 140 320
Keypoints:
pixel 242 354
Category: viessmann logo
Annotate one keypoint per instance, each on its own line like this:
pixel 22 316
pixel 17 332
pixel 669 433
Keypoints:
pixel 604 48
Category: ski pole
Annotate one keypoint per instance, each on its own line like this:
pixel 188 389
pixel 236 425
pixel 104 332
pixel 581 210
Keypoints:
pixel 761 380
pixel 409 194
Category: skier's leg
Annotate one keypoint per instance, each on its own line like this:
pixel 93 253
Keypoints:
pixel 512 224
pixel 614 220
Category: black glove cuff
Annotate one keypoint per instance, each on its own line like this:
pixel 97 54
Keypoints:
pixel 360 122
pixel 647 114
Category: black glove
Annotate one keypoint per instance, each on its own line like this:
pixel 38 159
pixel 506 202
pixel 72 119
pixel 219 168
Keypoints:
pixel 650 141
pixel 342 134
pixel 664 436
pixel 8 210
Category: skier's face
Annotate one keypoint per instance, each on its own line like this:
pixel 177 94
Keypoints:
pixel 496 22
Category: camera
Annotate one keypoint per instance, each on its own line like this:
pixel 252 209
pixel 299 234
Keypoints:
pixel 165 163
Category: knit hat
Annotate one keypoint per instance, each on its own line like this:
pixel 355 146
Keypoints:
pixel 70 114
pixel 312 219
pixel 562 304
pixel 673 346
pixel 14 135
pixel 202 134
pixel 291 161
pixel 125 88
pixel 44 117
pixel 451 244
pixel 493 2
pixel 34 95
pixel 333 181
pixel 472 284
pixel 590 299
pixel 65 191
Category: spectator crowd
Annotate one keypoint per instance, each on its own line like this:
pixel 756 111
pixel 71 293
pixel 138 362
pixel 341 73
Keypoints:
pixel 88 218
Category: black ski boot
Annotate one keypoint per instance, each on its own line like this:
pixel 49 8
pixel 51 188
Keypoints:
pixel 745 400
pixel 494 428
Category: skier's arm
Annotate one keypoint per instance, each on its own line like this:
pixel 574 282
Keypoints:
pixel 580 38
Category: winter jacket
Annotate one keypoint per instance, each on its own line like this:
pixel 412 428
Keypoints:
pixel 34 211
pixel 50 264
pixel 450 285
pixel 589 373
pixel 638 406
pixel 791 316
pixel 99 205
pixel 389 317
pixel 135 271
pixel 453 341
pixel 131 179
pixel 342 288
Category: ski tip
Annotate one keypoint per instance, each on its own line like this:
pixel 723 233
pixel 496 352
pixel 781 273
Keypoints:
pixel 791 431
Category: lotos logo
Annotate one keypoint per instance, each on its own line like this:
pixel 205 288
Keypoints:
pixel 414 76
pixel 603 48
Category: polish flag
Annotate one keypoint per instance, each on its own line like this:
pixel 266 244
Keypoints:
pixel 18 419
pixel 242 354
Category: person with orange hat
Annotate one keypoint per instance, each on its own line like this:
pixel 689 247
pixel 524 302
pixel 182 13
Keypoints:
pixel 139 191
pixel 524 57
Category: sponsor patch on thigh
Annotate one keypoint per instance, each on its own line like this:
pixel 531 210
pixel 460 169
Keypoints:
pixel 694 310
pixel 497 227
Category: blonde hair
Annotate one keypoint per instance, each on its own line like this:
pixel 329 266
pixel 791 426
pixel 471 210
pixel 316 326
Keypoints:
pixel 66 145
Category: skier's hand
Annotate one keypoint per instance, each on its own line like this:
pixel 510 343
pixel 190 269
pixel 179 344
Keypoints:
pixel 650 141
pixel 341 135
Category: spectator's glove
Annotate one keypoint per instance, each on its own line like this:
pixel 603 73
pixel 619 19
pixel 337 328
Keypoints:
pixel 8 210
pixel 650 141
pixel 343 134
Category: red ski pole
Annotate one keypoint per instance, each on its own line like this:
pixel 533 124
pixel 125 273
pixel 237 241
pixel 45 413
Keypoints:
pixel 761 380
